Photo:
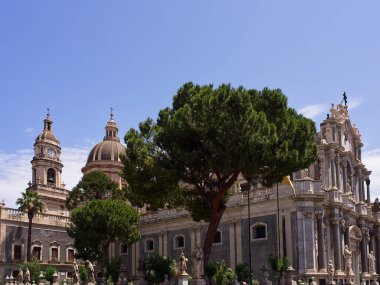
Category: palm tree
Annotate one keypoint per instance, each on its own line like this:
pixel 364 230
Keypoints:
pixel 30 203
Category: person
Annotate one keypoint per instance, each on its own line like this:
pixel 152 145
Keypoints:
pixel 75 273
pixel 90 270
pixel 27 276
pixel 197 260
pixel 348 260
pixel 182 266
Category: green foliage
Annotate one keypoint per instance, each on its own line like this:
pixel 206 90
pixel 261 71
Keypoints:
pixel 94 185
pixel 191 156
pixel 242 272
pixel 224 275
pixel 30 203
pixel 279 265
pixel 48 274
pixel 156 266
pixel 210 269
pixel 99 222
pixel 112 269
pixel 34 269
pixel 83 274
pixel 255 282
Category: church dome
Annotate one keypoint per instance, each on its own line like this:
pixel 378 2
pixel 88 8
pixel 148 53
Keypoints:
pixel 110 148
pixel 107 150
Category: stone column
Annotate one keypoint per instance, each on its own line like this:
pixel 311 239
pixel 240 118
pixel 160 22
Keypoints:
pixel 363 250
pixel 233 242
pixel 337 172
pixel 367 181
pixel 321 244
pixel 361 192
pixel 333 176
pixel 309 241
pixel 335 221
pixel 344 166
pixel 376 230
pixel 160 243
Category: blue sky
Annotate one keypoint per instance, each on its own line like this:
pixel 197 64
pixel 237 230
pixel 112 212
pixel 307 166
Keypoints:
pixel 79 58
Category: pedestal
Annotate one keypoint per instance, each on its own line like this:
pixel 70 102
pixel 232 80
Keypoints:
pixel 199 281
pixel 183 279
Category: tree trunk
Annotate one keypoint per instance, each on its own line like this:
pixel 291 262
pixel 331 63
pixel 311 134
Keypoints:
pixel 28 253
pixel 104 256
pixel 211 231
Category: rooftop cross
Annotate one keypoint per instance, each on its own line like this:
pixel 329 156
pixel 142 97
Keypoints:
pixel 111 112
pixel 48 111
pixel 345 98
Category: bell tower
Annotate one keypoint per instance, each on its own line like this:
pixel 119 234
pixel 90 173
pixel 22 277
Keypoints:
pixel 47 169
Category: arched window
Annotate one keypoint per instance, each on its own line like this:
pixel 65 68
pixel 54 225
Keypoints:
pixel 179 242
pixel 51 176
pixel 123 248
pixel 259 231
pixel 149 245
pixel 218 237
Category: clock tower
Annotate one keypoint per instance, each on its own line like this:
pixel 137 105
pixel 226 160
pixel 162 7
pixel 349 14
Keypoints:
pixel 47 169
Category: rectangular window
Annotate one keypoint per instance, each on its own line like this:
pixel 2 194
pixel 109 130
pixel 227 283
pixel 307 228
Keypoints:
pixel 54 254
pixel 70 255
pixel 36 253
pixel 123 248
pixel 17 252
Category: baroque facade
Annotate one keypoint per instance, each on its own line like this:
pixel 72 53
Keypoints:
pixel 327 226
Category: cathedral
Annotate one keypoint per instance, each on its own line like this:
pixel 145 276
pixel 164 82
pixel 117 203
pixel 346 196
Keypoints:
pixel 326 226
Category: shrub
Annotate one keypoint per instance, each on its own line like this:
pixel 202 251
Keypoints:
pixel 224 275
pixel 112 269
pixel 34 269
pixel 155 266
pixel 48 274
pixel 242 272
pixel 279 265
pixel 210 270
pixel 83 274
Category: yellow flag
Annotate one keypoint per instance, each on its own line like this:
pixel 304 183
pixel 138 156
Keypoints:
pixel 286 180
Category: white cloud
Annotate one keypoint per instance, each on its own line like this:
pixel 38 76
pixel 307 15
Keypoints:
pixel 354 103
pixel 16 171
pixel 28 130
pixel 313 111
pixel 371 159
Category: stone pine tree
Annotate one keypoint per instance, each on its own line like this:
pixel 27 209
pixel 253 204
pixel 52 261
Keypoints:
pixel 196 149
pixel 31 204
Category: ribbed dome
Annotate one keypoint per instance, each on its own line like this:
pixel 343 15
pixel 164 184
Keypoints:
pixel 110 148
pixel 107 150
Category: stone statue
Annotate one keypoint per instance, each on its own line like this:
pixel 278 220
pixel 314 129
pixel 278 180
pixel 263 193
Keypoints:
pixel 376 205
pixel 348 261
pixel 27 276
pixel 20 276
pixel 197 261
pixel 371 263
pixel 75 273
pixel 182 266
pixel 90 270
pixel 330 271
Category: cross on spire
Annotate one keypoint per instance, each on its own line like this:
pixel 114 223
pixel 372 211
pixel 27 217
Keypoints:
pixel 111 112
pixel 48 111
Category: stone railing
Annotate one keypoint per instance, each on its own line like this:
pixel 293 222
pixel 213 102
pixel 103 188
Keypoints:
pixel 39 218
